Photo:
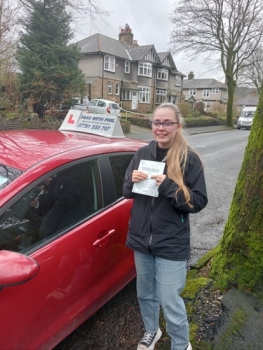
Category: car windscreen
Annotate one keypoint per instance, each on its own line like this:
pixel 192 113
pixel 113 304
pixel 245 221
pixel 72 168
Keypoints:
pixel 247 114
pixel 7 175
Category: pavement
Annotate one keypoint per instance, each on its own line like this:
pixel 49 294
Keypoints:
pixel 138 132
pixel 241 323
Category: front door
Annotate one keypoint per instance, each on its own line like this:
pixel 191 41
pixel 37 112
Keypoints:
pixel 134 100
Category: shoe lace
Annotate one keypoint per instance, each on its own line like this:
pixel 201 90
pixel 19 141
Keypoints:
pixel 148 337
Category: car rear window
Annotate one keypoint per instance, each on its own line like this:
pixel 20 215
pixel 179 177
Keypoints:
pixel 114 106
pixel 7 175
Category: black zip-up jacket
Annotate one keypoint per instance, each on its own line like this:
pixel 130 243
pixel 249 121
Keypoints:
pixel 160 226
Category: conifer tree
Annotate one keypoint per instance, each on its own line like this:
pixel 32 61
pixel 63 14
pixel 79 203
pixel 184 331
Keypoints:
pixel 49 73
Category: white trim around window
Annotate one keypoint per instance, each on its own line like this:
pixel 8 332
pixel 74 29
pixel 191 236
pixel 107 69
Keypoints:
pixel 160 96
pixel 145 69
pixel 109 87
pixel 126 94
pixel 162 74
pixel 109 63
pixel 127 67
pixel 117 89
pixel 144 94
pixel 192 92
pixel 178 80
pixel 206 93
pixel 215 91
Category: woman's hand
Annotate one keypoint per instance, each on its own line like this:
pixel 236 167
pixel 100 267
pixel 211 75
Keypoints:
pixel 138 176
pixel 158 178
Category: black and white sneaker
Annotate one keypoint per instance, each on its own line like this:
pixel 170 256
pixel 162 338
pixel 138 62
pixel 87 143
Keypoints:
pixel 149 340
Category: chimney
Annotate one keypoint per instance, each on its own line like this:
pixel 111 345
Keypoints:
pixel 191 75
pixel 126 36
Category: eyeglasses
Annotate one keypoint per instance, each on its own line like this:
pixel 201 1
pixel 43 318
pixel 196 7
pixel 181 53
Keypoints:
pixel 167 124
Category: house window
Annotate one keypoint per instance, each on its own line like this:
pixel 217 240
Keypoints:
pixel 178 80
pixel 162 74
pixel 206 93
pixel 192 92
pixel 117 89
pixel 127 67
pixel 215 91
pixel 126 94
pixel 145 94
pixel 208 105
pixel 145 69
pixel 160 96
pixel 109 63
pixel 109 87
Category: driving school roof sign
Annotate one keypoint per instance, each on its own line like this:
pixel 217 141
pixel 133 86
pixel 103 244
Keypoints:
pixel 98 124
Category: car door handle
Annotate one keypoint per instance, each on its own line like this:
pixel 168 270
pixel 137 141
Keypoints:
pixel 99 242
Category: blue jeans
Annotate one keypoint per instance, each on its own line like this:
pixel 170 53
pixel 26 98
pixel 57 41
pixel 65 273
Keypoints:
pixel 160 282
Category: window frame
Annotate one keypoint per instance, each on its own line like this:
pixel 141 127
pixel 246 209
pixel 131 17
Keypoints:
pixel 144 93
pixel 178 80
pixel 145 69
pixel 161 95
pixel 109 63
pixel 127 67
pixel 117 89
pixel 162 74
pixel 206 93
pixel 193 92
pixel 215 91
pixel 126 94
pixel 110 85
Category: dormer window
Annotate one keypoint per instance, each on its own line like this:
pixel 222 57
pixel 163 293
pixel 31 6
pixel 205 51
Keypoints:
pixel 145 69
pixel 109 63
pixel 162 74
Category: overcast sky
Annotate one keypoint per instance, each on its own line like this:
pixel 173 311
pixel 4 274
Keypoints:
pixel 150 24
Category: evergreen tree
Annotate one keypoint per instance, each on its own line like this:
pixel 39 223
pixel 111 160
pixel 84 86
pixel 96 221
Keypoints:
pixel 239 260
pixel 48 63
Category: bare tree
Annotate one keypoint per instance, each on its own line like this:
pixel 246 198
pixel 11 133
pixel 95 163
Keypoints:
pixel 253 74
pixel 228 29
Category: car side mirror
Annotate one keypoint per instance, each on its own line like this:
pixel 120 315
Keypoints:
pixel 16 268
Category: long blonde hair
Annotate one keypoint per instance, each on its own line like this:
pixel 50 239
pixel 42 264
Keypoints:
pixel 177 155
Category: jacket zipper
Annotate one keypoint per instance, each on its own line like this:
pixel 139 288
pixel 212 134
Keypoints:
pixel 150 240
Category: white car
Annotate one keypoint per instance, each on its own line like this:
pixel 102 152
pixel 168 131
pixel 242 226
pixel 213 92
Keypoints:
pixel 101 106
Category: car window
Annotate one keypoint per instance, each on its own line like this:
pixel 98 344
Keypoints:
pixel 93 103
pixel 54 205
pixel 101 104
pixel 7 175
pixel 114 106
pixel 119 165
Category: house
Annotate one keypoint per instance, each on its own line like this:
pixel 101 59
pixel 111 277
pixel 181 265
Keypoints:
pixel 208 91
pixel 136 76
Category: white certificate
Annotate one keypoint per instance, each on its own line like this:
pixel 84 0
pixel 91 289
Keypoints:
pixel 148 186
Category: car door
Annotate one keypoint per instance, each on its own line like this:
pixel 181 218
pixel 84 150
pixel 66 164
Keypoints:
pixel 117 164
pixel 76 264
pixel 101 107
pixel 92 106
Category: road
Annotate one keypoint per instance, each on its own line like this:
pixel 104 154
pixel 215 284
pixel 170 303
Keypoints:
pixel 118 324
pixel 222 154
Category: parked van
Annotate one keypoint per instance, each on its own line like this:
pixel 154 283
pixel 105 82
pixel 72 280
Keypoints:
pixel 246 118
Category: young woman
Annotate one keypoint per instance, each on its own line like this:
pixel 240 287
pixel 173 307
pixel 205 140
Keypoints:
pixel 159 230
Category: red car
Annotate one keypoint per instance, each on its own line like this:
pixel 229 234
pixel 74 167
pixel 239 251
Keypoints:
pixel 63 225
